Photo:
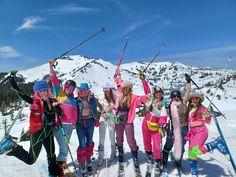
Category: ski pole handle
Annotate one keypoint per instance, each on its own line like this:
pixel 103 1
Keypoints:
pixel 163 46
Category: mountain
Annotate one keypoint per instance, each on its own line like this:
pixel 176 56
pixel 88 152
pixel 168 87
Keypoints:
pixel 165 74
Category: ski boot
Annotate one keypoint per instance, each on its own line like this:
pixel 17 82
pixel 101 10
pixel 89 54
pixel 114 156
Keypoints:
pixel 61 165
pixel 89 166
pixel 218 144
pixel 157 168
pixel 149 159
pixel 100 154
pixel 121 154
pixel 193 166
pixel 179 167
pixel 83 170
pixel 7 145
pixel 113 153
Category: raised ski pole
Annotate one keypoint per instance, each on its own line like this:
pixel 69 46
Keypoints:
pixel 222 136
pixel 67 143
pixel 122 56
pixel 157 54
pixel 81 43
pixel 186 75
pixel 7 76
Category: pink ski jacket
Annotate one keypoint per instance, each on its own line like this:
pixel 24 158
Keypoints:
pixel 67 103
pixel 135 100
pixel 200 119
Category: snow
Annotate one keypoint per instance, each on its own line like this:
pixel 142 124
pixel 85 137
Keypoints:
pixel 98 74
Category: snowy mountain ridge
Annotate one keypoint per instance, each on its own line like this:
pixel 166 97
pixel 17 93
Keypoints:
pixel 168 75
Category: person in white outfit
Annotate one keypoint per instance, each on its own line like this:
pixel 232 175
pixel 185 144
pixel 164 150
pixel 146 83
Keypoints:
pixel 107 120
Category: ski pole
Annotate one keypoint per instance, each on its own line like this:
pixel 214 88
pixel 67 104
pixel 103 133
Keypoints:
pixel 7 76
pixel 81 43
pixel 163 46
pixel 186 75
pixel 222 136
pixel 67 143
pixel 122 56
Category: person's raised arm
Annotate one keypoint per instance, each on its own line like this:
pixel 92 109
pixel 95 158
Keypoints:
pixel 15 87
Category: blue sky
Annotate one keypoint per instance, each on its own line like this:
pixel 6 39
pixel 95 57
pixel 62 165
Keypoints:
pixel 197 32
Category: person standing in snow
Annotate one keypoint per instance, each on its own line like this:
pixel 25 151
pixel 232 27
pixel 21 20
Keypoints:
pixel 43 116
pixel 107 120
pixel 153 131
pixel 177 127
pixel 126 103
pixel 198 116
pixel 67 103
pixel 87 118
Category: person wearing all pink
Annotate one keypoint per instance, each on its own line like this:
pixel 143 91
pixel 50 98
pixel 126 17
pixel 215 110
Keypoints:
pixel 153 131
pixel 198 117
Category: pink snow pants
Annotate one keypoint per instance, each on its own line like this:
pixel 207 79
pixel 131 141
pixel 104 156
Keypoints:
pixel 197 137
pixel 149 138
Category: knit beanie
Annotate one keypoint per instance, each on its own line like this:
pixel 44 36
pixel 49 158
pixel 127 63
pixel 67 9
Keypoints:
pixel 40 86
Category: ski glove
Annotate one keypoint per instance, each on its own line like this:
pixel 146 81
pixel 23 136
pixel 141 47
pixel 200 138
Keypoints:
pixel 141 75
pixel 187 78
pixel 96 123
pixel 162 131
pixel 13 73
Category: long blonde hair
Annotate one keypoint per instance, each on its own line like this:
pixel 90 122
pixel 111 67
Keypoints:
pixel 125 100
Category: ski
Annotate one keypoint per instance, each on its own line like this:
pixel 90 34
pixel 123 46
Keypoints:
pixel 137 171
pixel 121 170
pixel 8 129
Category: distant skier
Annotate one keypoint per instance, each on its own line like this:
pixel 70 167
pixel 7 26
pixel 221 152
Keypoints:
pixel 107 121
pixel 126 103
pixel 68 105
pixel 198 116
pixel 153 129
pixel 177 127
pixel 42 120
pixel 87 119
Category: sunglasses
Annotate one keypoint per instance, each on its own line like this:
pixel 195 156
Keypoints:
pixel 195 98
pixel 176 96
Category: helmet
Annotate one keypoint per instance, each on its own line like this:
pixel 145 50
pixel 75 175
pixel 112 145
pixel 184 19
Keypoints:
pixel 175 93
pixel 70 82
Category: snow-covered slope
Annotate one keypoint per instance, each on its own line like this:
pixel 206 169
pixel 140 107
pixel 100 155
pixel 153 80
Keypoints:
pixel 167 75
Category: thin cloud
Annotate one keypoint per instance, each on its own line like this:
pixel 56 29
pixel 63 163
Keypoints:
pixel 134 26
pixel 30 22
pixel 203 53
pixel 8 52
pixel 69 8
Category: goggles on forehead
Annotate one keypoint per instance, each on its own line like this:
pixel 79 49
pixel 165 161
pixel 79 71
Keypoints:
pixel 42 90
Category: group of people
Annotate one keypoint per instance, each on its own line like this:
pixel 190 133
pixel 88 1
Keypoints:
pixel 180 120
